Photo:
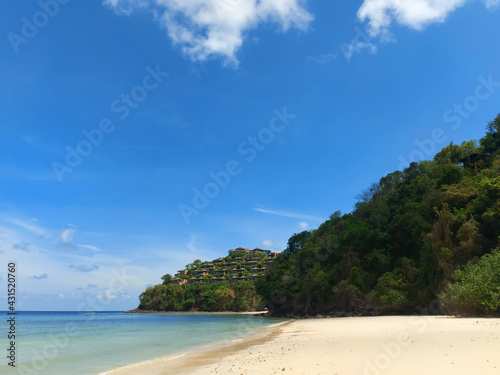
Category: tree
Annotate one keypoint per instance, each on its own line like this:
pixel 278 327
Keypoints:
pixel 167 279
pixel 491 141
pixel 296 242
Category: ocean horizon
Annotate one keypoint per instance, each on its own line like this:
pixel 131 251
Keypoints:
pixel 92 343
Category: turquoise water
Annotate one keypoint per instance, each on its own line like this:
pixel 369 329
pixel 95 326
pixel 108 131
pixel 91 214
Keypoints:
pixel 77 343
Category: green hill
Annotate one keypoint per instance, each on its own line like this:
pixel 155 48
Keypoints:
pixel 422 239
pixel 406 245
pixel 224 284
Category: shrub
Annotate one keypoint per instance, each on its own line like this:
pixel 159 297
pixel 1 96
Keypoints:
pixel 391 292
pixel 476 291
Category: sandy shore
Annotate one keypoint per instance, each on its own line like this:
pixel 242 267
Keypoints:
pixel 361 346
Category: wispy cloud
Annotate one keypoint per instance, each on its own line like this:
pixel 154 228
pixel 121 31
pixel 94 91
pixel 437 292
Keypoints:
pixel 356 47
pixel 323 59
pixel 41 277
pixel 30 227
pixel 491 4
pixel 289 214
pixel 205 28
pixel 90 247
pixel 84 267
pixel 23 246
pixel 303 225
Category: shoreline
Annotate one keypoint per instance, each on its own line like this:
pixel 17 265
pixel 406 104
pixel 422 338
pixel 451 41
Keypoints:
pixel 198 356
pixel 389 345
pixel 135 311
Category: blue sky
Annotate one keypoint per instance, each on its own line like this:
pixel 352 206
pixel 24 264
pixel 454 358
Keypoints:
pixel 117 116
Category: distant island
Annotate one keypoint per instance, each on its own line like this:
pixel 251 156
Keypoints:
pixel 425 239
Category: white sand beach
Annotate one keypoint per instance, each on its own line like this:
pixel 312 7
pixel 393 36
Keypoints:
pixel 394 345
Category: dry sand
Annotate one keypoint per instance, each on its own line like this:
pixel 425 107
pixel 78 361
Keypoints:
pixel 351 346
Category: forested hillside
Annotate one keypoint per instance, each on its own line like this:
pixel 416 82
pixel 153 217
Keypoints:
pixel 418 239
pixel 405 244
pixel 224 284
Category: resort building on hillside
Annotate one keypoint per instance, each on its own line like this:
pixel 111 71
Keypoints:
pixel 234 279
pixel 215 261
pixel 179 281
pixel 255 270
pixel 194 280
pixel 232 264
pixel 181 272
pixel 217 279
pixel 255 251
pixel 251 263
pixel 218 272
pixel 208 265
pixel 254 277
pixel 200 272
pixel 233 271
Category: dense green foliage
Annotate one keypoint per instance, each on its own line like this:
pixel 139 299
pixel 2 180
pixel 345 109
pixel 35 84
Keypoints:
pixel 401 246
pixel 239 296
pixel 477 288
pixel 417 235
pixel 204 295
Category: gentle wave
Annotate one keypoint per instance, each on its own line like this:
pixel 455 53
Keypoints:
pixel 148 362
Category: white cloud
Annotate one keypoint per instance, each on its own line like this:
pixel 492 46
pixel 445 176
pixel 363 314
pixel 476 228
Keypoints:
pixel 412 13
pixel 108 295
pixel 205 28
pixel 303 225
pixel 67 235
pixel 268 244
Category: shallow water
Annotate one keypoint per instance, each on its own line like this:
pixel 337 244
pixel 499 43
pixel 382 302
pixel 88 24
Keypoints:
pixel 77 343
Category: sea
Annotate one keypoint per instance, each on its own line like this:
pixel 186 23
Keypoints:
pixel 83 343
